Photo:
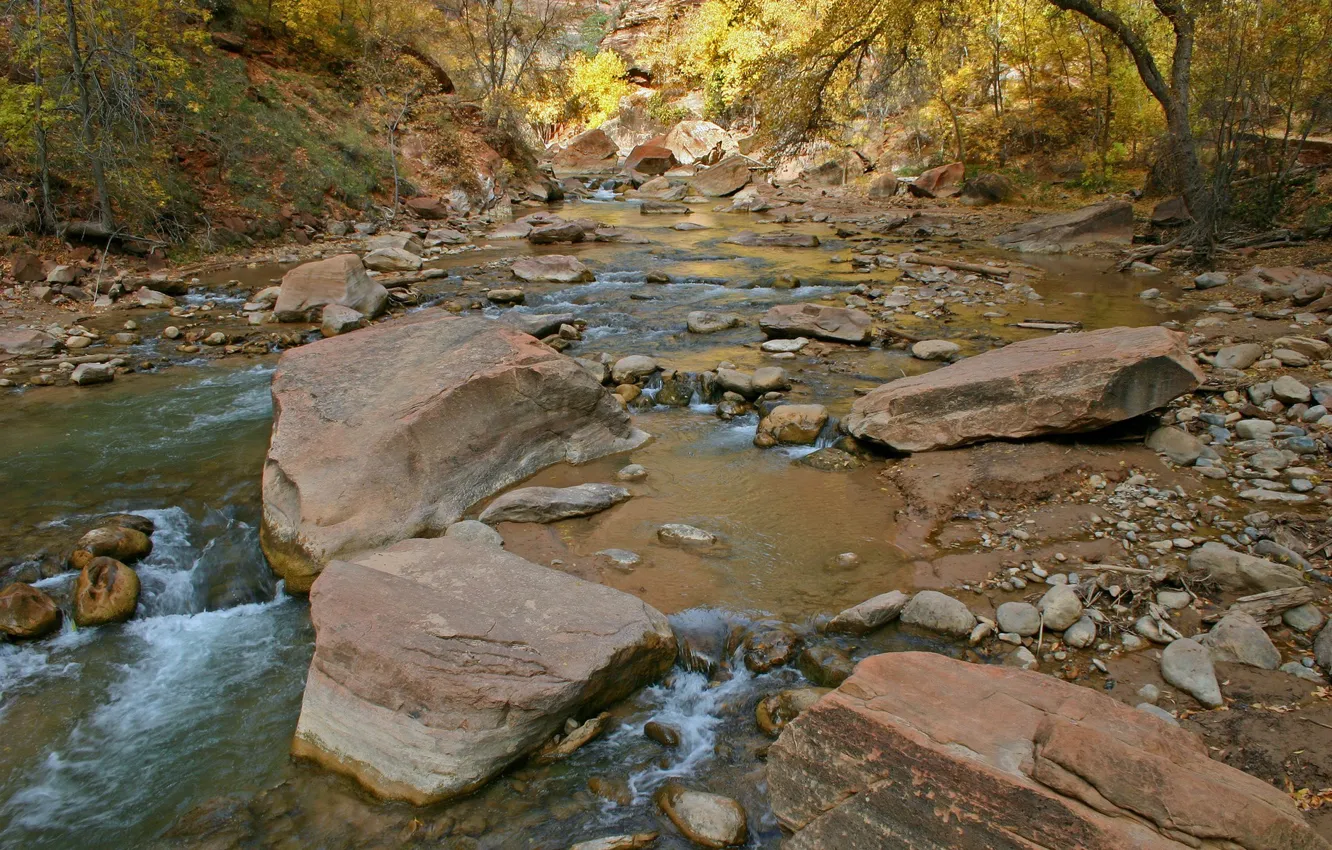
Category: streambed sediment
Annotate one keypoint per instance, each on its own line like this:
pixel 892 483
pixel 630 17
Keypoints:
pixel 175 727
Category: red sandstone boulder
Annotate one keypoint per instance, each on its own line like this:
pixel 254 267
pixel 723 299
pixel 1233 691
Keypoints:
pixel 1060 384
pixel 428 208
pixel 651 159
pixel 725 178
pixel 592 152
pixel 1107 222
pixel 26 612
pixel 27 268
pixel 698 141
pixel 941 182
pixel 21 341
pixel 838 324
pixel 307 288
pixel 438 663
pixel 106 591
pixel 393 431
pixel 920 750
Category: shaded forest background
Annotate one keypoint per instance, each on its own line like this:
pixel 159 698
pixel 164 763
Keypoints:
pixel 178 120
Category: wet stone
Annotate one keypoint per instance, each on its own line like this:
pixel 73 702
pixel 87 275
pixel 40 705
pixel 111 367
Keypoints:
pixel 707 819
pixel 774 711
pixel 662 733
pixel 825 665
pixel 686 536
pixel 938 612
pixel 770 645
pixel 621 559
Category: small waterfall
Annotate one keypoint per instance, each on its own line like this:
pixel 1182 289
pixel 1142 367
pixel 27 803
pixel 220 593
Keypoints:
pixel 830 434
pixel 679 390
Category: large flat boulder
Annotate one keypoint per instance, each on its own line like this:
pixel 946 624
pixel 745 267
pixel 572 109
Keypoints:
pixel 1106 222
pixel 438 663
pixel 651 159
pixel 1060 384
pixel 920 750
pixel 837 324
pixel 941 182
pixel 551 268
pixel 342 280
pixel 725 178
pixel 394 431
pixel 592 152
pixel 552 504
pixel 25 341
pixel 692 141
pixel 1240 572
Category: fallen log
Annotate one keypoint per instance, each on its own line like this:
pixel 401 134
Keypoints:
pixel 76 360
pixel 1041 325
pixel 957 265
pixel 1267 607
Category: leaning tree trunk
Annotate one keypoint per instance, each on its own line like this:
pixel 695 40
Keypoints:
pixel 1173 96
pixel 90 142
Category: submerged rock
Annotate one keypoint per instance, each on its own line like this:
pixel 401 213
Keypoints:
pixel 106 591
pixel 678 534
pixel 550 504
pixel 27 613
pixel 707 819
pixel 514 650
pixel 635 841
pixel 825 665
pixel 770 644
pixel 667 736
pixel 1067 383
pixel 751 239
pixel 705 322
pixel 393 431
pixel 873 764
pixel 791 424
pixel 774 711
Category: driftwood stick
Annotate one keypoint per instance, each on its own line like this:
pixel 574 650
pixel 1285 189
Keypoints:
pixel 958 265
pixel 1266 607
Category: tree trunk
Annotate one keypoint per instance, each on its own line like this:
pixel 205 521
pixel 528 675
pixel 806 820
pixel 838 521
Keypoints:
pixel 46 217
pixel 103 195
pixel 1173 96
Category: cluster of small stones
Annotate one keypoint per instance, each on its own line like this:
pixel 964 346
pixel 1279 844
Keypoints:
pixel 206 324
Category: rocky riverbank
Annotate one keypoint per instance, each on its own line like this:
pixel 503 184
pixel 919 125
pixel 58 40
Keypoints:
pixel 1118 481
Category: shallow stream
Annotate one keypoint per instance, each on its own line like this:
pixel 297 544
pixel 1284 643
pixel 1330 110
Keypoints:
pixel 184 715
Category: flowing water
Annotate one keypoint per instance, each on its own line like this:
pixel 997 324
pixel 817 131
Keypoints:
pixel 184 715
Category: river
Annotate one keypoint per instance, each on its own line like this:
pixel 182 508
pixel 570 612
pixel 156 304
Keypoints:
pixel 175 727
